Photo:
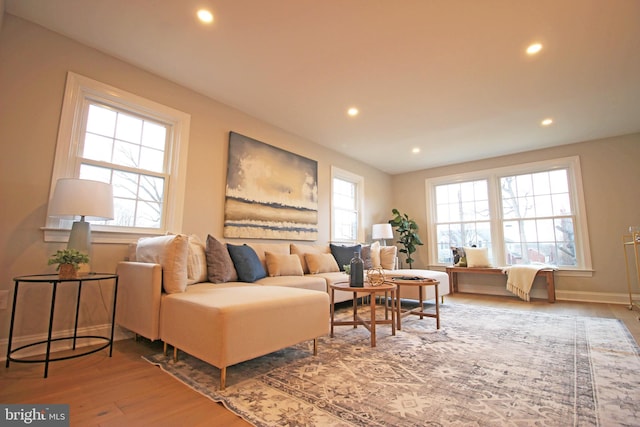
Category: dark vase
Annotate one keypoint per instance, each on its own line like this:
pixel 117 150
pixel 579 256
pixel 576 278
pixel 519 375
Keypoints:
pixel 356 278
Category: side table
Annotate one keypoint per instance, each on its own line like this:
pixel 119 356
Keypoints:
pixel 400 282
pixel 369 324
pixel 55 280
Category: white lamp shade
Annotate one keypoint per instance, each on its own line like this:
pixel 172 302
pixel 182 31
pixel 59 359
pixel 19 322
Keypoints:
pixel 82 197
pixel 382 231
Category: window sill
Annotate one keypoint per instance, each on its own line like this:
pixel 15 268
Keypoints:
pixel 61 235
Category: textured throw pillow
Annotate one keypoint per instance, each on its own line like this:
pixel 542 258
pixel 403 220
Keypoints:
pixel 343 254
pixel 302 250
pixel 220 268
pixel 321 263
pixel 196 261
pixel 375 254
pixel 365 254
pixel 171 253
pixel 477 257
pixel 246 262
pixel 283 265
pixel 388 256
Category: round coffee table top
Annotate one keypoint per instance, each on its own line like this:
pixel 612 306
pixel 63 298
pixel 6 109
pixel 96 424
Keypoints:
pixel 415 280
pixel 344 286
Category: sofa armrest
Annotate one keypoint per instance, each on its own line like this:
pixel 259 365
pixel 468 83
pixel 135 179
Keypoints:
pixel 139 294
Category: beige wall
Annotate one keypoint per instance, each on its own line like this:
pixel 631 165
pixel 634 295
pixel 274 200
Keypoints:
pixel 34 63
pixel 611 180
pixel 33 66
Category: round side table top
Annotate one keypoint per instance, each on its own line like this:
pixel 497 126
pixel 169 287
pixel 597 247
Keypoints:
pixel 344 286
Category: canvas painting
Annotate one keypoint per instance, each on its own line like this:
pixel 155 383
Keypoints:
pixel 271 193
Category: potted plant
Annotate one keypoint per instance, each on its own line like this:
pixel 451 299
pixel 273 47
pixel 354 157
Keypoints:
pixel 408 231
pixel 68 261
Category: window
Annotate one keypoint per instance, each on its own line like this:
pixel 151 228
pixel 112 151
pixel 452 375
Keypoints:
pixel 531 213
pixel 346 206
pixel 137 145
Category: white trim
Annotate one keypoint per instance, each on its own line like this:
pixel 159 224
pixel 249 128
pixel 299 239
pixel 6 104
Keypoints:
pixel 80 89
pixel 359 181
pixel 492 175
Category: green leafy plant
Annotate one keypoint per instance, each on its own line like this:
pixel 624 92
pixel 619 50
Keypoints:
pixel 69 256
pixel 408 231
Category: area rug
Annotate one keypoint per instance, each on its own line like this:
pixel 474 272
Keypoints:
pixel 484 367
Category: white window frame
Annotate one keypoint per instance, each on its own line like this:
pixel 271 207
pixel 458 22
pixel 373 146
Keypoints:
pixel 572 164
pixel 359 183
pixel 79 91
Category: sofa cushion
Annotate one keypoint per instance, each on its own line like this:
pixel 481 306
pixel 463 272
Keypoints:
pixel 196 261
pixel 171 252
pixel 343 254
pixel 220 268
pixel 246 262
pixel 321 263
pixel 275 248
pixel 301 250
pixel 388 256
pixel 283 265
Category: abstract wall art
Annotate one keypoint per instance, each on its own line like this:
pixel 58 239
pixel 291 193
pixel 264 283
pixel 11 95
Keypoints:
pixel 271 193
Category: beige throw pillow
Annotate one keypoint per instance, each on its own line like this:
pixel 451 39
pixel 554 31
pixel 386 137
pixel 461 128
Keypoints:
pixel 321 263
pixel 375 254
pixel 171 252
pixel 283 265
pixel 477 257
pixel 196 261
pixel 388 257
pixel 302 250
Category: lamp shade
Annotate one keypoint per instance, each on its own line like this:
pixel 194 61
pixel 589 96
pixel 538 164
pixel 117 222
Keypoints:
pixel 92 200
pixel 382 231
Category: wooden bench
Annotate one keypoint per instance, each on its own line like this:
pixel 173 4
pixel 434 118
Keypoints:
pixel 454 271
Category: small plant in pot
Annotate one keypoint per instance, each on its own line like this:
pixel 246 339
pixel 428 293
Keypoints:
pixel 68 261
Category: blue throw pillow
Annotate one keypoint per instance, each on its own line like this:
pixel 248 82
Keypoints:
pixel 246 262
pixel 343 254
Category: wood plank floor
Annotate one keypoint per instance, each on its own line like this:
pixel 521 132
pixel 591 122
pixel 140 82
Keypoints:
pixel 127 391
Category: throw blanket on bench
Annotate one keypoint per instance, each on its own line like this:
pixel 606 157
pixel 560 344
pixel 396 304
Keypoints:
pixel 520 278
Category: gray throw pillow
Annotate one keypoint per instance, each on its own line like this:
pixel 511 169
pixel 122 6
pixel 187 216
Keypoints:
pixel 220 267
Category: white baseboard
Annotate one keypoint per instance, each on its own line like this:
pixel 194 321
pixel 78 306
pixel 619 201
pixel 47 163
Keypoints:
pixel 101 330
pixel 541 293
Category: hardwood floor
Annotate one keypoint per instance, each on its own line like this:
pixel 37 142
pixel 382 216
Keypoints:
pixel 127 391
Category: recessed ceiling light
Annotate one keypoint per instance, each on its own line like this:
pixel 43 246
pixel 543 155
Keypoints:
pixel 205 16
pixel 546 122
pixel 353 111
pixel 534 48
pixel 416 150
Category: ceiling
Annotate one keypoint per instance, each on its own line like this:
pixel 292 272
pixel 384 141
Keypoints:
pixel 449 77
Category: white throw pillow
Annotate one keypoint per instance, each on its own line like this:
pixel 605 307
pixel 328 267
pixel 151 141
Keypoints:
pixel 375 255
pixel 477 257
pixel 197 261
pixel 388 257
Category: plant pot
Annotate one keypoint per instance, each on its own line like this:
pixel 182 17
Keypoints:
pixel 67 271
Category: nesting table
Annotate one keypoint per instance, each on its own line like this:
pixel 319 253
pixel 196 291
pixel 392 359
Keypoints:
pixel 386 289
pixel 401 282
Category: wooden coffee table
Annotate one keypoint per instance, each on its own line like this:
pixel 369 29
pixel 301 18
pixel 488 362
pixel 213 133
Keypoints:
pixel 400 282
pixel 385 289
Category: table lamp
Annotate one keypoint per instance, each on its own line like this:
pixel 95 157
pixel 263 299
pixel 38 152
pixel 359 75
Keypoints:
pixel 92 200
pixel 382 232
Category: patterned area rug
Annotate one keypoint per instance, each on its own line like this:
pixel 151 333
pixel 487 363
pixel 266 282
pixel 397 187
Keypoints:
pixel 484 367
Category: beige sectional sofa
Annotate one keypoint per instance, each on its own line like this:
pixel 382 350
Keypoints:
pixel 198 298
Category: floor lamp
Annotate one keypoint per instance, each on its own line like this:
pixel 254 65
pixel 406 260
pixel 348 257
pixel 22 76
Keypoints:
pixel 90 200
pixel 382 232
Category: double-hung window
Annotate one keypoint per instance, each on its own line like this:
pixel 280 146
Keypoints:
pixel 346 206
pixel 531 213
pixel 138 146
